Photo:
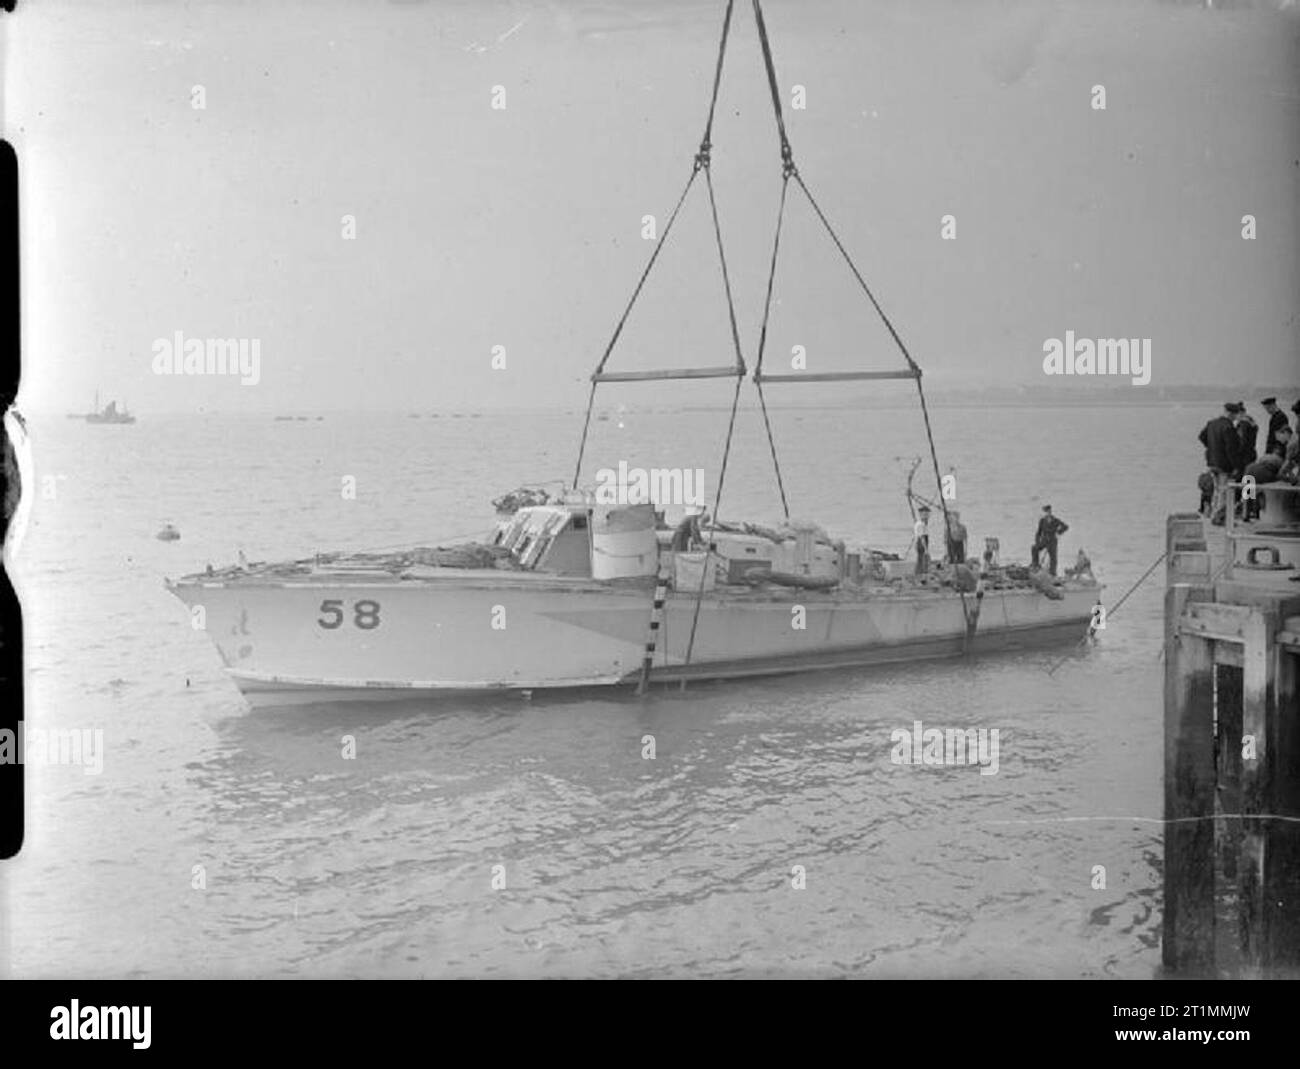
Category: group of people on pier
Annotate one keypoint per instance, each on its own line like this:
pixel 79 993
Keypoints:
pixel 1232 454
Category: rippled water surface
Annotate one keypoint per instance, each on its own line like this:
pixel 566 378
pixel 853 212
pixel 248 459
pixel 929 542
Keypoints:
pixel 613 864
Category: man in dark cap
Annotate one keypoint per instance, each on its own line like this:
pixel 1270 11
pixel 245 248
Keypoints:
pixel 1276 420
pixel 1049 529
pixel 1222 455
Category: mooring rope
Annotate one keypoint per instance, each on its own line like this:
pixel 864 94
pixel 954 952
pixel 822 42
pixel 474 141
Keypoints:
pixel 1110 612
pixel 1154 564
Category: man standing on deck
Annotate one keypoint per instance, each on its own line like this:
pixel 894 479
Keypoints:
pixel 1222 453
pixel 1049 530
pixel 1276 421
pixel 922 532
pixel 956 538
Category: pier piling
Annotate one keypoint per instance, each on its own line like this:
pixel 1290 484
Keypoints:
pixel 1232 755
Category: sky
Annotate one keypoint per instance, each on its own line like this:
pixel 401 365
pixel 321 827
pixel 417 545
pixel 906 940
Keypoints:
pixel 521 226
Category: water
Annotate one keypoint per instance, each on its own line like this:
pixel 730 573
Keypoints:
pixel 613 864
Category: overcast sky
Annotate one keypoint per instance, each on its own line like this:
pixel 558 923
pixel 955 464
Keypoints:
pixel 521 227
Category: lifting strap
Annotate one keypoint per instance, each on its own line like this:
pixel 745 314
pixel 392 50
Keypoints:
pixel 762 335
pixel 656 620
pixel 788 171
pixel 701 163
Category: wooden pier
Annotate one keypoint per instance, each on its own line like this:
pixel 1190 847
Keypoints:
pixel 1232 748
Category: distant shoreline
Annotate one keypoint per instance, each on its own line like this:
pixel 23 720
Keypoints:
pixel 1211 406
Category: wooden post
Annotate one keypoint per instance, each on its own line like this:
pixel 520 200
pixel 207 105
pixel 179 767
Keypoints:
pixel 1243 633
pixel 1257 660
pixel 1189 791
pixel 1230 939
pixel 1280 934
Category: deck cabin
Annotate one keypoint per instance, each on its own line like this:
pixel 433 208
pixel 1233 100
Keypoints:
pixel 549 538
pixel 584 540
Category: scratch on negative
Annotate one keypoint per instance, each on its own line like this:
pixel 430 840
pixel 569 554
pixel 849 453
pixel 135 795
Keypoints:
pixel 1152 820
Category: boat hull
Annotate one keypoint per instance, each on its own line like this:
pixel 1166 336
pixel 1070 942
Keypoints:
pixel 325 639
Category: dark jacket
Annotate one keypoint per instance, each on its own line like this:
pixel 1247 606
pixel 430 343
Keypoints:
pixel 1222 444
pixel 1248 430
pixel 1275 423
pixel 1049 528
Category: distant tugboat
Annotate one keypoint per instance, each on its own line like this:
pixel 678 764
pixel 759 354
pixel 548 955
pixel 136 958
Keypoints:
pixel 110 413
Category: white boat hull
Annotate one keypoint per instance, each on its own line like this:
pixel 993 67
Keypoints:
pixel 325 639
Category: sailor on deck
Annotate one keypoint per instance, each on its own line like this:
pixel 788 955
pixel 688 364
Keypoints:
pixel 956 538
pixel 1222 456
pixel 1082 568
pixel 687 536
pixel 1276 421
pixel 921 530
pixel 1049 530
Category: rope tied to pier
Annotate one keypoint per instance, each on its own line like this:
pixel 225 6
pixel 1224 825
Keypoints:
pixel 1092 629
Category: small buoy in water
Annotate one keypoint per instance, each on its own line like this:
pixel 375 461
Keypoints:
pixel 168 533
